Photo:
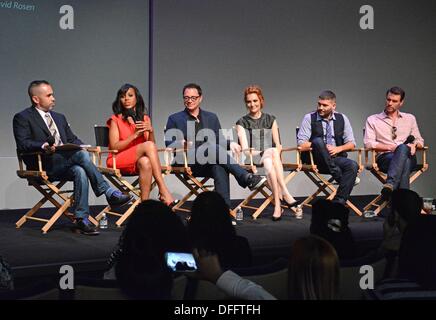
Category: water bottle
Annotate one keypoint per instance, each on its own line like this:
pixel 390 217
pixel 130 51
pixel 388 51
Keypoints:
pixel 239 214
pixel 103 221
pixel 299 212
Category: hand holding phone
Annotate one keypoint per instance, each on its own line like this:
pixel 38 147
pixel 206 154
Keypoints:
pixel 180 261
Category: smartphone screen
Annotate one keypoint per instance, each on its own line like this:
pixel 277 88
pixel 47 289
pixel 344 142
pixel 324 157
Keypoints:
pixel 180 261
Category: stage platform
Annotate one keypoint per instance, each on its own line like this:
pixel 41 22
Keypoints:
pixel 33 254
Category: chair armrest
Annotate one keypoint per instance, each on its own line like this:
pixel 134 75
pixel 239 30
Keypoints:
pixel 93 149
pixel 291 149
pixel 423 151
pixel 250 152
pixel 359 156
pixel 300 161
pixel 109 151
pixel 23 154
pixel 169 156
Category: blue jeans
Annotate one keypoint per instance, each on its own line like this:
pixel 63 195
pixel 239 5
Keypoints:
pixel 398 165
pixel 220 173
pixel 76 166
pixel 342 169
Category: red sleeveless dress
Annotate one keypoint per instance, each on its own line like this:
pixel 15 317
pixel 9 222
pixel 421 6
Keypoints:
pixel 126 159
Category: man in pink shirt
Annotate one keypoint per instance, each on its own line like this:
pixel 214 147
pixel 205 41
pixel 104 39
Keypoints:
pixel 395 135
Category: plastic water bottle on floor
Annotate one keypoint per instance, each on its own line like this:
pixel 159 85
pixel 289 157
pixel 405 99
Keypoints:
pixel 103 222
pixel 299 212
pixel 239 214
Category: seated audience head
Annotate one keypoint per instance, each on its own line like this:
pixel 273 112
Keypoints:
pixel 129 102
pixel 210 223
pixel 313 272
pixel 211 229
pixel 407 203
pixel 417 255
pixel 330 221
pixel 406 207
pixel 152 230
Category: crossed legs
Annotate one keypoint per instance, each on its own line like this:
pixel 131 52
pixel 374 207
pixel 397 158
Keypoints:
pixel 342 169
pixel 149 166
pixel 397 165
pixel 274 174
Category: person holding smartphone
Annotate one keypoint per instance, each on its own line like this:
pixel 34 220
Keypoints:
pixel 131 133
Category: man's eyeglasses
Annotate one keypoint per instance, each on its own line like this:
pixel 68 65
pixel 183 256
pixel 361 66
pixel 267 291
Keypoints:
pixel 394 133
pixel 193 98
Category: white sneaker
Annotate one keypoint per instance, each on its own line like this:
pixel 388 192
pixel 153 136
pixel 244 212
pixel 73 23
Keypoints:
pixel 357 181
pixel 234 223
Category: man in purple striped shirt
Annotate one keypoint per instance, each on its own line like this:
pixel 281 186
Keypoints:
pixel 395 135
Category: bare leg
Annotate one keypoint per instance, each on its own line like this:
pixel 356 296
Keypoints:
pixel 144 167
pixel 272 180
pixel 278 166
pixel 149 150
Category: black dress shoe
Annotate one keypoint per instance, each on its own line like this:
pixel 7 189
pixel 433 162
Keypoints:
pixel 386 192
pixel 85 227
pixel 292 204
pixel 172 204
pixel 276 218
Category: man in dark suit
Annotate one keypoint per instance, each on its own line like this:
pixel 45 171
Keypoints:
pixel 200 129
pixel 38 128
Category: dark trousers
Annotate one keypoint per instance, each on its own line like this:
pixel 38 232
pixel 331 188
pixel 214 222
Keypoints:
pixel 219 171
pixel 77 166
pixel 342 169
pixel 398 165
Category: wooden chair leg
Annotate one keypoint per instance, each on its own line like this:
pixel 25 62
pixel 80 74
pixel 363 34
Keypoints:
pixel 127 214
pixel 56 216
pixel 325 186
pixel 31 212
pixel 266 191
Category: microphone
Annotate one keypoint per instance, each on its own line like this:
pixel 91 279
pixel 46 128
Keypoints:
pixel 409 139
pixel 131 116
pixel 51 140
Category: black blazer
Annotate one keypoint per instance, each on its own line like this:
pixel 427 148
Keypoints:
pixel 180 120
pixel 31 132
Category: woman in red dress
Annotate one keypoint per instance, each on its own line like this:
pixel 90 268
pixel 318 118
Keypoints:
pixel 131 133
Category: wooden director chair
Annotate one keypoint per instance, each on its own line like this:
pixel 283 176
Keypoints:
pixel 325 185
pixel 49 189
pixel 120 181
pixel 114 175
pixel 378 204
pixel 184 174
pixel 291 168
